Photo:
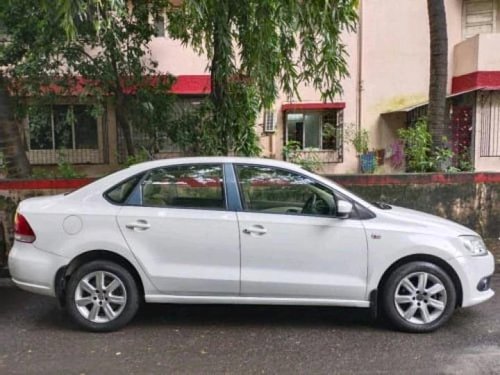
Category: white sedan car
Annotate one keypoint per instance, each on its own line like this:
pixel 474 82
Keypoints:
pixel 241 230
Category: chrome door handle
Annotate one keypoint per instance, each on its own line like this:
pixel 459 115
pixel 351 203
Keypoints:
pixel 138 225
pixel 255 229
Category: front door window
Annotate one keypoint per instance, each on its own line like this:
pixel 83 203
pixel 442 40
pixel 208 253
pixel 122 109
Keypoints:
pixel 274 190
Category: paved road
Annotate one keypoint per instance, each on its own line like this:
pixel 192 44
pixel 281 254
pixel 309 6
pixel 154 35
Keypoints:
pixel 37 338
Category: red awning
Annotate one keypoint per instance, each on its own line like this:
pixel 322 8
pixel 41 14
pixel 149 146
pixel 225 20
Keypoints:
pixel 192 85
pixel 183 85
pixel 290 107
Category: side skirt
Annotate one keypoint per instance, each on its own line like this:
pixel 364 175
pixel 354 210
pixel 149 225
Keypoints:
pixel 164 298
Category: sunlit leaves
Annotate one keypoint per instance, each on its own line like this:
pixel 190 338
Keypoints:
pixel 272 44
pixel 276 43
pixel 100 46
pixel 73 13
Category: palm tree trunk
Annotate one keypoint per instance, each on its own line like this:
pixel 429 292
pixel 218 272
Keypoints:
pixel 437 119
pixel 11 145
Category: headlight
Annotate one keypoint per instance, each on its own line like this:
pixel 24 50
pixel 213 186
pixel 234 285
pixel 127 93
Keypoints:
pixel 474 245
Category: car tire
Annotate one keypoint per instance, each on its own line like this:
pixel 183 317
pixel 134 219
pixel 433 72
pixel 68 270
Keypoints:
pixel 102 296
pixel 418 297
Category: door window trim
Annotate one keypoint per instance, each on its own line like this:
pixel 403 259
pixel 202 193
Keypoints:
pixel 107 191
pixel 135 198
pixel 354 214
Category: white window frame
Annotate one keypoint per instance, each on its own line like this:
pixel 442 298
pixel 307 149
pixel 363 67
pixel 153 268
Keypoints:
pixel 321 116
pixel 269 121
pixel 465 14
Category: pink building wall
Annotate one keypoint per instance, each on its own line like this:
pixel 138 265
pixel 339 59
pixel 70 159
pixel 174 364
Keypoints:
pixel 388 61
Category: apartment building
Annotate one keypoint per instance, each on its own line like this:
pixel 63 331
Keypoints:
pixel 387 90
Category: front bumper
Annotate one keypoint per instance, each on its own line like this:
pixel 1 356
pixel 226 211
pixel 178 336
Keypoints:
pixel 471 270
pixel 33 269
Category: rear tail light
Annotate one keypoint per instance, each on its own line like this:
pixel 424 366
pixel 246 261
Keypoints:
pixel 22 229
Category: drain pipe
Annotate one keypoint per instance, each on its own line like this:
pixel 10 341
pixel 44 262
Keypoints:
pixel 359 73
pixel 359 83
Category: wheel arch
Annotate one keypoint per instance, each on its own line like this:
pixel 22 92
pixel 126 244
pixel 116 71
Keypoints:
pixel 64 273
pixel 423 258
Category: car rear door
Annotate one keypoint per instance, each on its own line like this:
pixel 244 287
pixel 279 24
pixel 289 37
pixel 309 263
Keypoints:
pixel 178 226
pixel 291 247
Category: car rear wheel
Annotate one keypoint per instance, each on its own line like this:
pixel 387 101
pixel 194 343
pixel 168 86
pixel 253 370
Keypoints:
pixel 419 297
pixel 102 296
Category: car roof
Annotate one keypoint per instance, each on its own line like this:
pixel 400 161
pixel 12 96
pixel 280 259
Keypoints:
pixel 215 159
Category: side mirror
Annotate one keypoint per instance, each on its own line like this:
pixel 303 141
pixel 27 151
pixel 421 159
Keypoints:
pixel 344 208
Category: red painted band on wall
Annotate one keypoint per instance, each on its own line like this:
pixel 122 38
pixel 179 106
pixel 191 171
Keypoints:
pixel 416 179
pixel 183 85
pixel 489 80
pixel 69 184
pixel 347 180
pixel 487 178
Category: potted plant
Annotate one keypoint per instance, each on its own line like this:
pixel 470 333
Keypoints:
pixel 367 160
pixel 306 158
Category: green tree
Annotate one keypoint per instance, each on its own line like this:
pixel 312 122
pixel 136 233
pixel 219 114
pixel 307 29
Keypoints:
pixel 70 12
pixel 104 43
pixel 11 144
pixel 263 46
pixel 437 119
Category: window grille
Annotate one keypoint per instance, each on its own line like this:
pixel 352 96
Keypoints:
pixel 320 132
pixel 269 121
pixel 489 143
pixel 70 133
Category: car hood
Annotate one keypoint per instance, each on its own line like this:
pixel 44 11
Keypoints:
pixel 427 222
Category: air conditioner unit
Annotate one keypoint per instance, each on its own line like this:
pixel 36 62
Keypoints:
pixel 269 121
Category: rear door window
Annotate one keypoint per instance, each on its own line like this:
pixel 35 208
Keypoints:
pixel 184 186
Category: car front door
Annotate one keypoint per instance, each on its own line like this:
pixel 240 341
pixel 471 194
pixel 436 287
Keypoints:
pixel 177 225
pixel 292 243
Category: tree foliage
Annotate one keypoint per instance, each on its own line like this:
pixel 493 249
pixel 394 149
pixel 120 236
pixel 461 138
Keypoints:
pixel 418 143
pixel 255 47
pixel 265 46
pixel 100 45
pixel 71 12
pixel 12 148
pixel 13 155
pixel 197 131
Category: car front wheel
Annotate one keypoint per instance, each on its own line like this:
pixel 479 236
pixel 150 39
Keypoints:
pixel 419 297
pixel 102 296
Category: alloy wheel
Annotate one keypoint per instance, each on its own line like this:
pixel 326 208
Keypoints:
pixel 420 298
pixel 100 296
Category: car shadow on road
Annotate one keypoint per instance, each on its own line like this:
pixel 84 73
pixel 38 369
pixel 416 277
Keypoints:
pixel 253 315
pixel 43 312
